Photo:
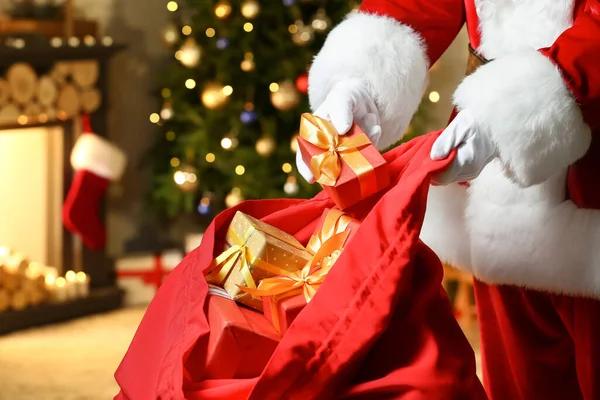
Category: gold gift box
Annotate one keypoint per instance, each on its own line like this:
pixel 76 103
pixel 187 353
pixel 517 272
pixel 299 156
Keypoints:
pixel 261 251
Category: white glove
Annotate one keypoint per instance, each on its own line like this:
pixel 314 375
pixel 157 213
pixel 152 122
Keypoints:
pixel 475 150
pixel 347 102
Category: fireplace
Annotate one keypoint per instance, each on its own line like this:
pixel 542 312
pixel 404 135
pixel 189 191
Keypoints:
pixel 50 87
pixel 31 192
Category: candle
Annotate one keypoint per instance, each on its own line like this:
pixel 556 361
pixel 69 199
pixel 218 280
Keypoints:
pixel 60 292
pixel 71 284
pixel 4 253
pixel 83 284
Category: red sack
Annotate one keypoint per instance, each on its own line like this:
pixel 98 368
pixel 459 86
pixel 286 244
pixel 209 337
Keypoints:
pixel 380 326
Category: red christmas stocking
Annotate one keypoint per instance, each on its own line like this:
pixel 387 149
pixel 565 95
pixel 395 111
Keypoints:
pixel 97 162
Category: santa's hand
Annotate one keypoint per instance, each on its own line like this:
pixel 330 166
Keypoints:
pixel 474 150
pixel 347 103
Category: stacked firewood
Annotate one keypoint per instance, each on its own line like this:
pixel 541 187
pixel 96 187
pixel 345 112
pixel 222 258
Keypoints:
pixel 67 90
pixel 22 283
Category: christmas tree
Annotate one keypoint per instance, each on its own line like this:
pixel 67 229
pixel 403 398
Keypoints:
pixel 232 96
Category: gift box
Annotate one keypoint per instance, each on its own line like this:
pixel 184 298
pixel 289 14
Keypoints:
pixel 284 297
pixel 281 311
pixel 240 343
pixel 254 251
pixel 140 275
pixel 349 167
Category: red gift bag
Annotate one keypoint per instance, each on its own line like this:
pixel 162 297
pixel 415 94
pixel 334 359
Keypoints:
pixel 380 326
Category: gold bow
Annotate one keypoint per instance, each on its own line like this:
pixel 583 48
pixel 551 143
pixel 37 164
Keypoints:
pixel 221 266
pixel 335 222
pixel 326 166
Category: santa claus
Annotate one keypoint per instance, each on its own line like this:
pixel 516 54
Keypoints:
pixel 527 224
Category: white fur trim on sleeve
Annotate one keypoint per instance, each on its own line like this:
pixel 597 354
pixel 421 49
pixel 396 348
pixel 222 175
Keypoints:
pixel 444 229
pixel 523 103
pixel 531 237
pixel 96 154
pixel 390 58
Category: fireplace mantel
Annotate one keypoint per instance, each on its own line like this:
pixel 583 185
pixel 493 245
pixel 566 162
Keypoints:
pixel 44 54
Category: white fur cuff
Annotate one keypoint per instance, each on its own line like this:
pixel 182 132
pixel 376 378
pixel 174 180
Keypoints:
pixel 99 156
pixel 522 102
pixel 444 229
pixel 388 57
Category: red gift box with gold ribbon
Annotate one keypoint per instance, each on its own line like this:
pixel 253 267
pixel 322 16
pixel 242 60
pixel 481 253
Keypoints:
pixel 240 343
pixel 349 167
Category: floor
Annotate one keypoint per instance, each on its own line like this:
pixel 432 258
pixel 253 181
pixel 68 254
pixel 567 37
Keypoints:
pixel 70 361
pixel 74 360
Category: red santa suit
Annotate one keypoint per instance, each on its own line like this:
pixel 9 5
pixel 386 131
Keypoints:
pixel 531 219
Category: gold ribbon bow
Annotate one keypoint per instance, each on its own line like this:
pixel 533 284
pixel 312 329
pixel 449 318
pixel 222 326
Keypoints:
pixel 335 222
pixel 326 166
pixel 221 266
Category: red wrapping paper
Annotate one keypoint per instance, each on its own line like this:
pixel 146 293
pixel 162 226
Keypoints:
pixel 380 326
pixel 281 311
pixel 347 190
pixel 240 342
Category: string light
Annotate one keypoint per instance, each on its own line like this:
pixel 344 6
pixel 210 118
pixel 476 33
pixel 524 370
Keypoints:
pixel 56 42
pixel 154 118
pixel 434 97
pixel 287 168
pixel 210 158
pixel 291 185
pixel 170 136
pixel 186 30
pixel 248 63
pixel 166 93
pixel 89 40
pixel 107 41
pixel 210 32
pixel 179 177
pixel 234 197
pixel 223 9
pixel 175 162
pixel 293 28
pixel 22 120
pixel 190 83
pixel 227 90
pixel 226 143
pixel 172 6
pixel 74 41
pixel 240 170
pixel 274 87
pixel 248 26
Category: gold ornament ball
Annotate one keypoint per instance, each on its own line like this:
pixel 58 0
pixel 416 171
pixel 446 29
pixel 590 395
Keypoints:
pixel 287 97
pixel 213 96
pixel 250 9
pixel 265 146
pixel 223 9
pixel 234 198
pixel 190 53
pixel 186 177
pixel 170 35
